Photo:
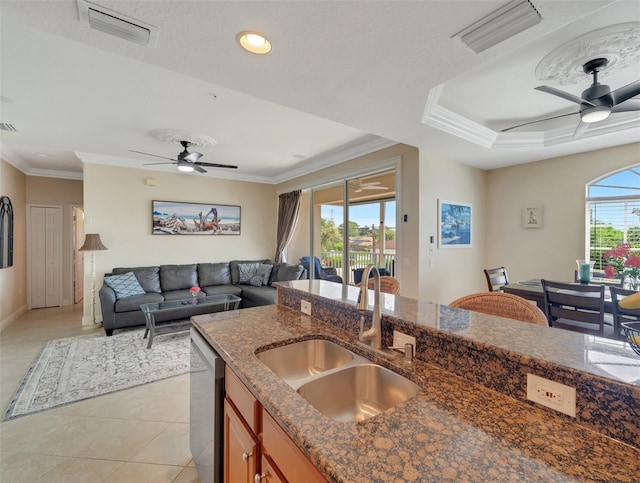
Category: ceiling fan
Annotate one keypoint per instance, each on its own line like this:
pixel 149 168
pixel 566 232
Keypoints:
pixel 597 102
pixel 358 185
pixel 187 161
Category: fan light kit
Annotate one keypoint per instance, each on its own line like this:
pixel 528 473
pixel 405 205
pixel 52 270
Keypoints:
pixel 597 102
pixel 254 42
pixel 186 161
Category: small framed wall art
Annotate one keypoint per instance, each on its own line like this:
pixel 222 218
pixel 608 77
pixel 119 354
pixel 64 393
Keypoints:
pixel 532 216
pixel 177 218
pixel 454 224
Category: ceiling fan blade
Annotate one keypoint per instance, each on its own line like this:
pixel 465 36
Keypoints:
pixel 563 94
pixel 629 105
pixel 155 155
pixel 627 92
pixel 192 157
pixel 581 128
pixel 199 169
pixel 217 165
pixel 539 120
pixel 154 164
pixel 382 188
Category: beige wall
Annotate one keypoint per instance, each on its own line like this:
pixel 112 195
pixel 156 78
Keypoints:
pixel 559 186
pixel 405 158
pixel 118 207
pixel 454 271
pixel 65 193
pixel 13 280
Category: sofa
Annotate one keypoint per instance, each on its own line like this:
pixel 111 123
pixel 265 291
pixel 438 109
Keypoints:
pixel 126 288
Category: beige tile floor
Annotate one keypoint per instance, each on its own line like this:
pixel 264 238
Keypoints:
pixel 137 435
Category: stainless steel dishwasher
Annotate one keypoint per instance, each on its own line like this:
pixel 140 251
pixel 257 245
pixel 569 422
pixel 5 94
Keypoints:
pixel 206 409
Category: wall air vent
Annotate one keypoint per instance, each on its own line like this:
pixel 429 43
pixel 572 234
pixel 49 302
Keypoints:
pixel 507 21
pixel 5 126
pixel 117 24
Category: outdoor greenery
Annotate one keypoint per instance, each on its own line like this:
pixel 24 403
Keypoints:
pixel 331 240
pixel 605 237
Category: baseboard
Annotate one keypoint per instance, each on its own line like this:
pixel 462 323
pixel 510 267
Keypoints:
pixel 7 321
pixel 87 321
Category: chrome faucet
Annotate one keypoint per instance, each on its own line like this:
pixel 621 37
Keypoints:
pixel 374 334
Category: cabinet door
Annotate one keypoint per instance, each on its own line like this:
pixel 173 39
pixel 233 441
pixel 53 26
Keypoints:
pixel 270 473
pixel 285 455
pixel 241 448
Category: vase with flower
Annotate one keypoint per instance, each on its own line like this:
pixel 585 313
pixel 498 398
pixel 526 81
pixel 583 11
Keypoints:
pixel 194 293
pixel 621 263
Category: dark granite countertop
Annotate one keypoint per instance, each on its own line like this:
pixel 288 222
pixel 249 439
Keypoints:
pixel 453 430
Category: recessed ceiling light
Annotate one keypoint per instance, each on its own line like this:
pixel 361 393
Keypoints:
pixel 254 42
pixel 42 155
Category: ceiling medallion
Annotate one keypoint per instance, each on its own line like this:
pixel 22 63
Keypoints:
pixel 619 44
pixel 174 136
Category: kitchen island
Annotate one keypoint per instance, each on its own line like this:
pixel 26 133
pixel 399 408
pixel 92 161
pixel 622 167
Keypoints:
pixel 462 426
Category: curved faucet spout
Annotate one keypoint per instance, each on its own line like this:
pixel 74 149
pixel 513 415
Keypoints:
pixel 374 334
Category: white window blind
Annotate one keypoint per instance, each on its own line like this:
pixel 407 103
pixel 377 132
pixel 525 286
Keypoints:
pixel 613 205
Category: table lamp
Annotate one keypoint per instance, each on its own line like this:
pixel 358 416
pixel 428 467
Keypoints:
pixel 92 243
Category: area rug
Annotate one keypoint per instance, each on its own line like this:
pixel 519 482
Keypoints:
pixel 75 368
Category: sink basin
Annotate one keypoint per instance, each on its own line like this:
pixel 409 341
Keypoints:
pixel 357 392
pixel 306 358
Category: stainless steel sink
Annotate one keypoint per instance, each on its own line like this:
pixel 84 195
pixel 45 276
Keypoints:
pixel 306 358
pixel 357 392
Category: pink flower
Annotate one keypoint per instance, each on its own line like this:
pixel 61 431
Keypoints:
pixel 633 261
pixel 194 290
pixel 610 272
pixel 621 251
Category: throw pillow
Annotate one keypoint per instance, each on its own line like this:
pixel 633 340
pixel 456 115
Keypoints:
pixel 265 271
pixel 256 281
pixel 125 285
pixel 288 272
pixel 246 271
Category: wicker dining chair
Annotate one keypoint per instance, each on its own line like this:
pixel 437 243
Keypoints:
pixel 387 285
pixel 503 305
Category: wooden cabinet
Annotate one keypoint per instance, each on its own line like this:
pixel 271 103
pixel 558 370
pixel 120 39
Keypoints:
pixel 241 448
pixel 256 448
pixel 279 448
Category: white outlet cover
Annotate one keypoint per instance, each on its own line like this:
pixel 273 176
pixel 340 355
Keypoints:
pixel 551 394
pixel 305 307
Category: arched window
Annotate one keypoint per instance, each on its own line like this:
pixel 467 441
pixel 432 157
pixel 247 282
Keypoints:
pixel 613 204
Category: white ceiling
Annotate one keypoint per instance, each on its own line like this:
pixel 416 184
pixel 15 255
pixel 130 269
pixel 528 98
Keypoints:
pixel 344 78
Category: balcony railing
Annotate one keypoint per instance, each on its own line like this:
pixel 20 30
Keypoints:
pixel 357 260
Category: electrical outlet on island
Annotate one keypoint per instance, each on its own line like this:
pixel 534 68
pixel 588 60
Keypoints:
pixel 305 307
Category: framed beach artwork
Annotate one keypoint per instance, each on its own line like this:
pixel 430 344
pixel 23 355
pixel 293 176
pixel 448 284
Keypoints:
pixel 178 218
pixel 454 224
pixel 532 216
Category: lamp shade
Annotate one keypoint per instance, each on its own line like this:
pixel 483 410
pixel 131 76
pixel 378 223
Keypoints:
pixel 92 242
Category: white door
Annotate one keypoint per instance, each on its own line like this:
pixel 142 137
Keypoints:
pixel 45 255
pixel 78 257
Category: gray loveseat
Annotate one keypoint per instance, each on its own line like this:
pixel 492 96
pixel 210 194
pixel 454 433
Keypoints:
pixel 125 289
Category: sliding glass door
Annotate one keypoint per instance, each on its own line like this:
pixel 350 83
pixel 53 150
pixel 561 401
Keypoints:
pixel 354 224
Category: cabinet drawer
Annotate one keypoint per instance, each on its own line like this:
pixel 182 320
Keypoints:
pixel 290 461
pixel 243 400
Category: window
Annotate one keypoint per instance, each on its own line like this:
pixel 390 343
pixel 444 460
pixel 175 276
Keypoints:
pixel 613 204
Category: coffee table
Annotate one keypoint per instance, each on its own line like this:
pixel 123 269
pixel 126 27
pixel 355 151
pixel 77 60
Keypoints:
pixel 226 301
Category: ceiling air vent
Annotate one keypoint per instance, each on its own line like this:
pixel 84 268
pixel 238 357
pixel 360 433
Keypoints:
pixel 5 126
pixel 117 24
pixel 507 21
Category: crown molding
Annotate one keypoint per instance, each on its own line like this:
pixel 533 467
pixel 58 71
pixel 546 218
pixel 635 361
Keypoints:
pixel 453 123
pixel 365 145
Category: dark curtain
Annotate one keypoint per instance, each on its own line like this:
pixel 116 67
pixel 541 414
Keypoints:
pixel 288 209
